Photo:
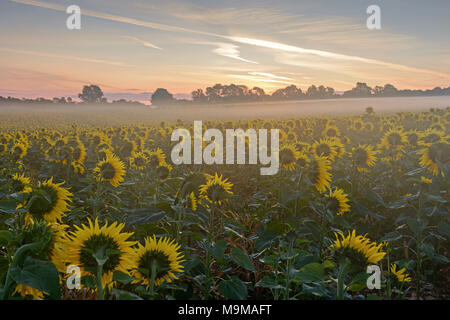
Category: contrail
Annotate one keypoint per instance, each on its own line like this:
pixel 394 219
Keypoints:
pixel 59 56
pixel 143 42
pixel 248 41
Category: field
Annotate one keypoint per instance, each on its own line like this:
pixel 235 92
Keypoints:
pixel 95 194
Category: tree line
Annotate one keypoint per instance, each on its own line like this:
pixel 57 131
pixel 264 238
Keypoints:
pixel 234 93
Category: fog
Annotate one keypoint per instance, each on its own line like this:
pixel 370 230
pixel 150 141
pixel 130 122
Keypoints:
pixel 126 114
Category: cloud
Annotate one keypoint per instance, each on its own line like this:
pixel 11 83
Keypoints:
pixel 257 79
pixel 143 42
pixel 231 51
pixel 331 56
pixel 68 57
pixel 269 75
pixel 106 16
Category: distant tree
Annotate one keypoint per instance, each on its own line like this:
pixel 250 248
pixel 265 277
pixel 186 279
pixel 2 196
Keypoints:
pixel 361 90
pixel 257 93
pixel 389 90
pixel 92 94
pixel 198 96
pixel 289 93
pixel 162 97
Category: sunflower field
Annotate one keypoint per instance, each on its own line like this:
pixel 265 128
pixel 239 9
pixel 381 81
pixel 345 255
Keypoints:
pixel 92 211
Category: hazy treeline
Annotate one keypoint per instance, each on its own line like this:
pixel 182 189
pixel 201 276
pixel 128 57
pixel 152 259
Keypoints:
pixel 233 93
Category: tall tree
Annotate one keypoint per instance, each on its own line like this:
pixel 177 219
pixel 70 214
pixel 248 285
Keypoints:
pixel 162 97
pixel 92 94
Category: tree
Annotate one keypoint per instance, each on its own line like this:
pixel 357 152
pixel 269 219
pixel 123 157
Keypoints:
pixel 198 96
pixel 162 97
pixel 92 94
pixel 361 90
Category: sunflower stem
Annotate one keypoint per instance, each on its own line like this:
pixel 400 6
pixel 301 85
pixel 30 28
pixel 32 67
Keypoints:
pixel 154 268
pixel 101 294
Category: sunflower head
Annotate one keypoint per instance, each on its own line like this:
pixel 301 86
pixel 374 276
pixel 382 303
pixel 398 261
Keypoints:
pixel 216 189
pixel 3 149
pixel 363 156
pixel 21 184
pixel 324 148
pixel 19 150
pixel 319 173
pixel 394 139
pixel 48 238
pixel 90 245
pixel 139 160
pixel 401 274
pixel 435 157
pixel 163 171
pixel 158 259
pixel 289 156
pixel 359 249
pixel 337 202
pixel 49 201
pixel 110 169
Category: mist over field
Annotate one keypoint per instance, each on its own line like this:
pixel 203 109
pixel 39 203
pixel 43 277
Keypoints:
pixel 128 114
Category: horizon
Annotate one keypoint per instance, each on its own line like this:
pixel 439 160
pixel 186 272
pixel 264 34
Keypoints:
pixel 131 49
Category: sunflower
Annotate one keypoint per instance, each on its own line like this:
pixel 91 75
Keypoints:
pixel 50 240
pixel 3 148
pixel 394 139
pixel 363 156
pixel 413 137
pixel 193 201
pixel 358 125
pixel 49 201
pixel 425 180
pixel 79 152
pixel 319 173
pixel 139 160
pixel 215 189
pixel 367 252
pixel 21 184
pixel 160 256
pixel 331 132
pixel 338 202
pixel 339 147
pixel 433 155
pixel 110 169
pixel 19 150
pixel 324 148
pixel 107 242
pixel 431 136
pixel 302 161
pixel 289 156
pixel 128 148
pixel 155 158
pixel 163 170
pixel 400 274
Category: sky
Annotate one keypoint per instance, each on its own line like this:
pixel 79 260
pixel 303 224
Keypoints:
pixel 131 48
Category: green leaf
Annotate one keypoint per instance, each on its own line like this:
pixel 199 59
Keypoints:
pixel 124 295
pixel 391 236
pixel 217 250
pixel 38 274
pixel 144 215
pixel 233 289
pixel 5 237
pixel 417 225
pixel 242 259
pixel 444 228
pixel 437 198
pixel 122 277
pixel 268 282
pixel 312 272
pixel 8 206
